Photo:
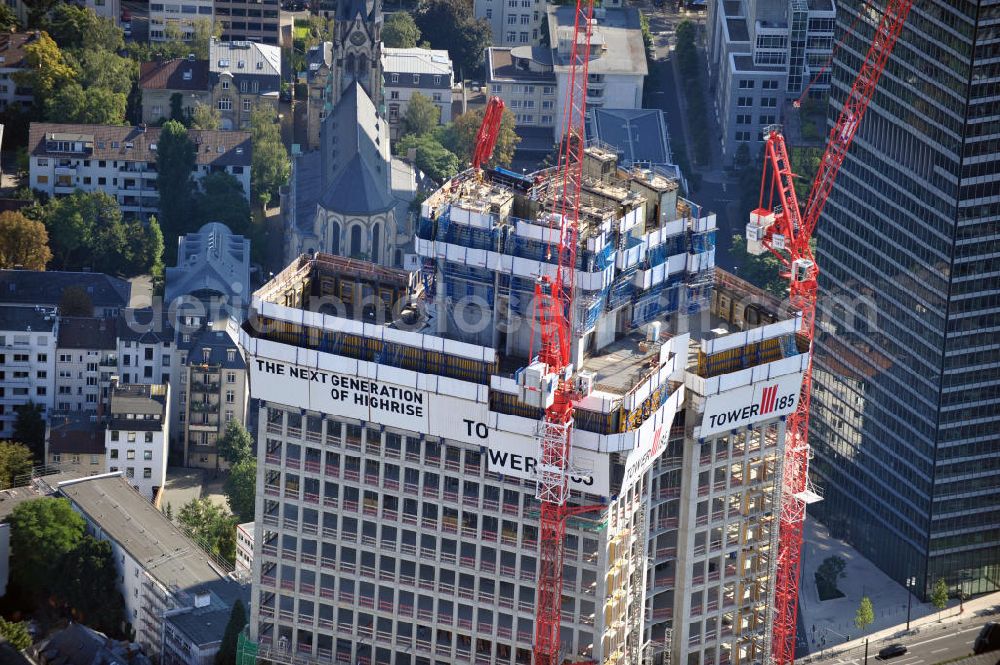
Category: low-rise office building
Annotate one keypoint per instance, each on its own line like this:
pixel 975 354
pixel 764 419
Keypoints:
pixel 244 546
pixel 167 20
pixel 122 161
pixel 137 432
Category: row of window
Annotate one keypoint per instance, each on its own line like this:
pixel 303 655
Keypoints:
pixel 394 78
pixel 131 436
pixel 147 472
pixel 748 84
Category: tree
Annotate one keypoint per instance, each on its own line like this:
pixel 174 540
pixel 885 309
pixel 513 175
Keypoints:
pixel 422 115
pixel 202 32
pixel 432 158
pixel 76 27
pixel 939 595
pixel 29 428
pixel 222 199
pixel 450 25
pixel 8 19
pixel 400 31
pixel 23 242
pixel 98 68
pixel 75 302
pixel 236 445
pixel 237 621
pixel 205 116
pixel 38 10
pixel 177 108
pixel 240 488
pixel 460 137
pixel 46 67
pixel 211 526
pixel 72 103
pixel 175 159
pixel 42 532
pixel 15 632
pixel 865 616
pixel 270 166
pixel 762 271
pixel 15 460
pixel 89 586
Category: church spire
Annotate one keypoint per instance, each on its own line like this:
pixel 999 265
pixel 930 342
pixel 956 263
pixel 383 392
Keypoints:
pixel 358 48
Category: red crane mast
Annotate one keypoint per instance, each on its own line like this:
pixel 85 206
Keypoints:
pixel 489 131
pixel 553 325
pixel 785 231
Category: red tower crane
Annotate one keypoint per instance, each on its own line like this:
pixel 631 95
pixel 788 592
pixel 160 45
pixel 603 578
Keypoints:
pixel 489 131
pixel 553 326
pixel 785 231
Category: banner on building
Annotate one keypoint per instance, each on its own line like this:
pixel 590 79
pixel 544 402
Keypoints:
pixel 739 407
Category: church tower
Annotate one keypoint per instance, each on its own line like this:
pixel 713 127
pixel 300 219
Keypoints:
pixel 357 48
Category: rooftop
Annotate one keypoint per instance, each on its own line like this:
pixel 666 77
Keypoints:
pixel 77 644
pixel 210 259
pixel 500 65
pixel 639 135
pixel 75 432
pixel 144 532
pixel 241 57
pixel 177 74
pixel 207 624
pixel 87 332
pixel 138 406
pixel 26 319
pixel 416 61
pixel 31 287
pixel 218 343
pixel 12 48
pixel 133 144
pixel 616 40
pixel 319 56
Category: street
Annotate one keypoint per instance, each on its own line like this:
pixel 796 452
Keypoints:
pixel 928 647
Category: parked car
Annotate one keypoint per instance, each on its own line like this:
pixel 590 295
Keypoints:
pixel 891 651
pixel 988 639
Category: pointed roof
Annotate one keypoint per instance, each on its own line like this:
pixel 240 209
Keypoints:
pixel 358 152
pixel 347 10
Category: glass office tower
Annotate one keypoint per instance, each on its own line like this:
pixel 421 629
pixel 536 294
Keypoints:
pixel 906 423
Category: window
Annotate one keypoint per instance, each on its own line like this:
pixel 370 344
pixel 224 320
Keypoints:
pixel 114 435
pixel 746 85
pixel 147 472
pixel 149 437
pixel 230 377
pixel 437 79
pixel 511 36
pixel 225 84
pixel 525 19
pixel 225 104
pixel 131 436
pixel 489 13
pixel 512 19
pixel 769 102
pixel 394 78
pixel 114 453
pixel 769 85
pixel 394 94
pixel 147 455
pixel 768 119
pixel 56 458
pixel 129 454
pixel 157 111
pixel 94 459
pixel 230 397
pixel 129 472
pixel 40 390
pixel 743 118
pixel 246 104
pixel 496 89
pixel 523 38
pixel 229 415
pixel 744 102
pixel 742 137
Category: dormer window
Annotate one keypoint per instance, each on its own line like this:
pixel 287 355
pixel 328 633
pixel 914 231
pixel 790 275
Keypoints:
pixel 188 74
pixel 241 64
pixel 223 62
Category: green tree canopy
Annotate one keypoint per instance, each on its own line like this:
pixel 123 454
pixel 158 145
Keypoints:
pixel 15 632
pixel 236 445
pixel 222 199
pixel 8 19
pixel 38 11
pixel 46 68
pixel 939 595
pixel 432 158
pixel 460 137
pixel 270 165
pixel 422 115
pixel 73 103
pixel 865 616
pixel 76 27
pixel 15 460
pixel 74 301
pixel 42 532
pixel 29 428
pixel 451 25
pixel 205 116
pixel 23 242
pixel 89 585
pixel 237 621
pixel 400 31
pixel 99 68
pixel 211 525
pixel 240 488
pixel 175 159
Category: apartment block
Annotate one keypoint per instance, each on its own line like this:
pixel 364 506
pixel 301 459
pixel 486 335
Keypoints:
pixel 11 62
pixel 160 80
pixel 74 442
pixel 533 80
pixel 86 359
pixel 407 71
pixel 137 434
pixel 397 519
pixel 122 161
pixel 764 54
pixel 243 74
pixel 28 338
pixel 176 598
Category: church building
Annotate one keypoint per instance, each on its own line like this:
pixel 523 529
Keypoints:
pixel 351 197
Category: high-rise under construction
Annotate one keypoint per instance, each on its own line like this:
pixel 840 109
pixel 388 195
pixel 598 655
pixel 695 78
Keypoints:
pixel 396 513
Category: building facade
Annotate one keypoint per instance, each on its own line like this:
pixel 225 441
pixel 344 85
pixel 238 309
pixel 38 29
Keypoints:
pixel 319 86
pixel 159 81
pixel 74 442
pixel 242 75
pixel 122 161
pixel 764 54
pixel 904 433
pixel 11 62
pixel 249 21
pixel 244 546
pixel 168 20
pixel 137 434
pixel 27 361
pixel 211 262
pixel 86 359
pixel 407 71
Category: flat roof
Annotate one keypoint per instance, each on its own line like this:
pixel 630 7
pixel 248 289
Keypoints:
pixel 126 517
pixel 617 37
pixel 26 319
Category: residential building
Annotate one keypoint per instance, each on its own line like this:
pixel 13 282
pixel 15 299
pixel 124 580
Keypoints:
pixel 415 530
pixel 211 263
pixel 145 346
pixel 122 161
pixel 213 392
pixel 32 288
pixel 319 86
pixel 243 74
pixel 163 575
pixel 160 80
pixel 169 21
pixel 77 644
pixel 136 436
pixel 244 547
pixel 109 9
pixel 86 359
pixel 74 441
pixel 248 20
pixel 514 23
pixel 764 54
pixel 903 420
pixel 11 62
pixel 533 80
pixel 416 70
pixel 27 361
